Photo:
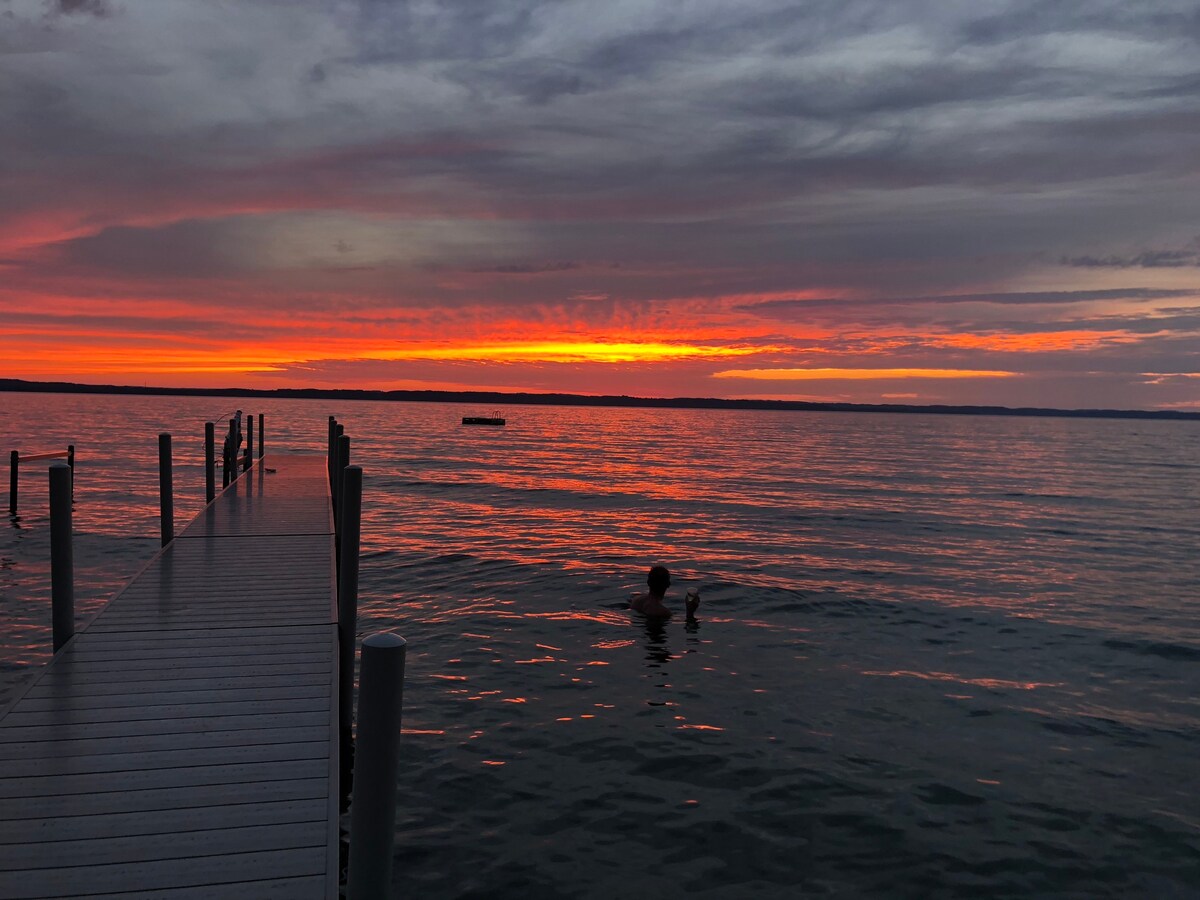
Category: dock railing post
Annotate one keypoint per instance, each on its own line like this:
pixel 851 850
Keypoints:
pixel 249 443
pixel 71 463
pixel 14 466
pixel 210 462
pixel 166 489
pixel 348 592
pixel 261 432
pixel 62 556
pixel 376 763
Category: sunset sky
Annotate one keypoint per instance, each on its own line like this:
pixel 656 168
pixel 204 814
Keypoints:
pixel 956 201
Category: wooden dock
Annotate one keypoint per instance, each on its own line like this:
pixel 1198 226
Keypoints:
pixel 184 744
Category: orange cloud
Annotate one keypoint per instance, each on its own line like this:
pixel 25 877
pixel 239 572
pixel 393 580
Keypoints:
pixel 856 374
pixel 1042 342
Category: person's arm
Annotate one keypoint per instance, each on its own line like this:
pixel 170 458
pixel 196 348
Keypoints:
pixel 692 603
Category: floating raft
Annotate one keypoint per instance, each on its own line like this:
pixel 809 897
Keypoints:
pixel 482 420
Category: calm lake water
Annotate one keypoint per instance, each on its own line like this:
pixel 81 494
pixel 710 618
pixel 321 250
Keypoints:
pixel 937 656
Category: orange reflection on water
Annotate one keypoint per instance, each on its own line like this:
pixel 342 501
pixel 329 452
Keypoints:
pixel 596 662
pixel 493 762
pixel 701 727
pixel 613 645
pixel 514 700
pixel 575 615
pixel 450 677
pixel 421 731
pixel 542 659
pixel 978 682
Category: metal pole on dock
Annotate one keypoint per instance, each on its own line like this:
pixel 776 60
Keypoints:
pixel 376 761
pixel 62 556
pixel 348 590
pixel 210 462
pixel 14 465
pixel 166 489
pixel 261 431
pixel 249 443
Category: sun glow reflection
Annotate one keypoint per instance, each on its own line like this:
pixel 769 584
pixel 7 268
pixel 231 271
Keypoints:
pixel 993 683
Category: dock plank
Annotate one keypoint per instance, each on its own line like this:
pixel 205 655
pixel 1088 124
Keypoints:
pixel 117 878
pixel 78 828
pixel 183 744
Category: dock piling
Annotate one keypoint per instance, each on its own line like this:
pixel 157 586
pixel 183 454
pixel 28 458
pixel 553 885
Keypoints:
pixel 62 556
pixel 71 463
pixel 329 459
pixel 249 455
pixel 261 430
pixel 339 431
pixel 348 590
pixel 166 489
pixel 230 453
pixel 376 762
pixel 210 462
pixel 339 471
pixel 14 466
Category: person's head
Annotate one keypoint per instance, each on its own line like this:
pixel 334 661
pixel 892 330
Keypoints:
pixel 659 580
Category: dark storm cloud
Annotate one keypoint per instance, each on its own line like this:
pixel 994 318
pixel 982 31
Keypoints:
pixel 181 250
pixel 788 308
pixel 84 7
pixel 1149 259
pixel 684 108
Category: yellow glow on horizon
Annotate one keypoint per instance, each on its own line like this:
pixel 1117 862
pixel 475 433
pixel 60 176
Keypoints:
pixel 561 351
pixel 856 374
pixel 152 354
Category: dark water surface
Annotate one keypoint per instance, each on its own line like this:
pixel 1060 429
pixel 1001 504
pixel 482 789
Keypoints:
pixel 937 656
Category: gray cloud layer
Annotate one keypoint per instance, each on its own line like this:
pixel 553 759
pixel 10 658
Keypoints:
pixel 929 150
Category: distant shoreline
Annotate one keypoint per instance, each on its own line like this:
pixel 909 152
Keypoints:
pixel 17 385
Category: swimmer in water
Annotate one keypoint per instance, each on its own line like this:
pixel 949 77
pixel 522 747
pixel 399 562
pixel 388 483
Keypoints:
pixel 650 604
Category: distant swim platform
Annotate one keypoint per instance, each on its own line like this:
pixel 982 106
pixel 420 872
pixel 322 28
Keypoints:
pixel 493 419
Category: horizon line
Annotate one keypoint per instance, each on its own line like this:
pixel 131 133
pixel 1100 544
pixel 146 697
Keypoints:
pixel 533 398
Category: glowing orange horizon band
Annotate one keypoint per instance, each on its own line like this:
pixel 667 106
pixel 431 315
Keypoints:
pixel 856 374
pixel 136 359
